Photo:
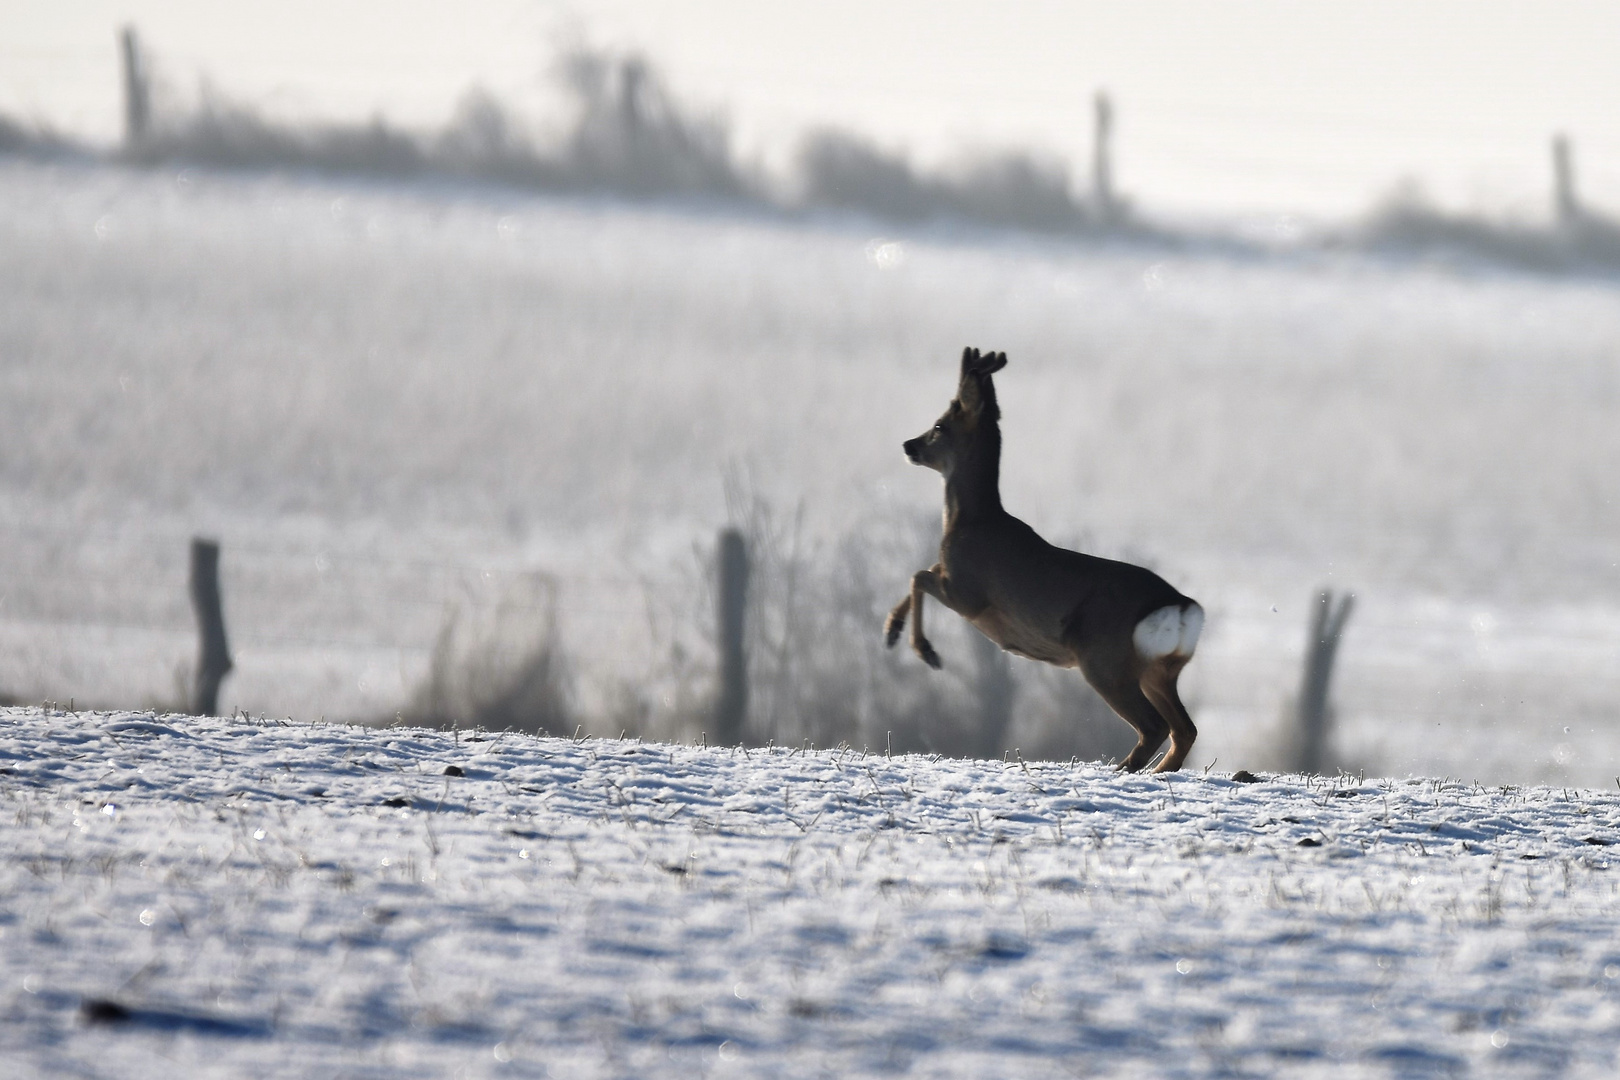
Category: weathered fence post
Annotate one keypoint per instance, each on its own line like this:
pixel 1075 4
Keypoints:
pixel 214 655
pixel 1102 165
pixel 731 708
pixel 137 89
pixel 1327 625
pixel 1566 209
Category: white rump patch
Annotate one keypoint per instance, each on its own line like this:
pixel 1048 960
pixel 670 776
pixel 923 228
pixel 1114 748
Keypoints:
pixel 1170 631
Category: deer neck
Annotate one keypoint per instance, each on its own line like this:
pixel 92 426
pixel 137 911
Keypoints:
pixel 973 490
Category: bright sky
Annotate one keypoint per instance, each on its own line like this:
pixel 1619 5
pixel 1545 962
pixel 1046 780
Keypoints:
pixel 1242 105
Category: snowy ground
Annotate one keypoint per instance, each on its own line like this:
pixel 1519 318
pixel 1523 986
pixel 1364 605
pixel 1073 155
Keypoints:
pixel 213 897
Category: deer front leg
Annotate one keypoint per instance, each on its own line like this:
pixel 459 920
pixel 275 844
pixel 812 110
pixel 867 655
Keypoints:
pixel 896 621
pixel 928 581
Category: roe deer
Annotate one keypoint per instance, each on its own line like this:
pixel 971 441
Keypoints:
pixel 1123 626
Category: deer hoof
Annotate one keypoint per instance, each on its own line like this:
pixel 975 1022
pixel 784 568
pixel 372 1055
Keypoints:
pixel 1172 761
pixel 929 656
pixel 891 631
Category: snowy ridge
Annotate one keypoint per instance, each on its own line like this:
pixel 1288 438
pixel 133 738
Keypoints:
pixel 213 897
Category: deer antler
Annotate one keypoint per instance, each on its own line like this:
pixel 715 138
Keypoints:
pixel 977 367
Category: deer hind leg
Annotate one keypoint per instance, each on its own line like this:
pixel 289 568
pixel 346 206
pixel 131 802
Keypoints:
pixel 1117 685
pixel 1159 686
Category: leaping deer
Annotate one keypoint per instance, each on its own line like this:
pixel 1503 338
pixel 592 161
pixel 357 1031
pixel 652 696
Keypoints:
pixel 1123 626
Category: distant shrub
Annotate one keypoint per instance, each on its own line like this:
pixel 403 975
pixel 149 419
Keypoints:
pixel 1406 220
pixel 842 171
pixel 628 136
pixel 505 672
pixel 34 140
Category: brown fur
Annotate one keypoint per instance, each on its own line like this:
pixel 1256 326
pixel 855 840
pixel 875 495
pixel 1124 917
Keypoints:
pixel 1031 598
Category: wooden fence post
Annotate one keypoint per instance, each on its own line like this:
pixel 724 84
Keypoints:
pixel 137 89
pixel 214 655
pixel 731 709
pixel 1102 164
pixel 1327 625
pixel 1566 209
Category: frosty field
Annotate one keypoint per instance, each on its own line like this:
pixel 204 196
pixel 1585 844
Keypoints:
pixel 402 405
pixel 225 897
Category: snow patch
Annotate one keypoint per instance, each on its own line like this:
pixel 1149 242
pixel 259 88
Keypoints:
pixel 285 899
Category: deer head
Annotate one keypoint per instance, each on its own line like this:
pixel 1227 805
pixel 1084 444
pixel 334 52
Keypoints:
pixel 971 422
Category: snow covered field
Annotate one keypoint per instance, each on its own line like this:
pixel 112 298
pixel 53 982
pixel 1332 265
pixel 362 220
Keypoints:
pixel 226 897
pixel 395 401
